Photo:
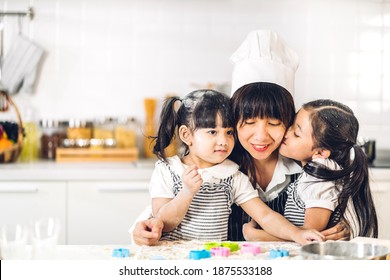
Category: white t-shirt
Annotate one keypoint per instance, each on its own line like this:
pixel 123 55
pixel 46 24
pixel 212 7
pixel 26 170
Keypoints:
pixel 309 192
pixel 208 214
pixel 281 177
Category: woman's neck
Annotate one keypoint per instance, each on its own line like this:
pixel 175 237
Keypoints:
pixel 265 170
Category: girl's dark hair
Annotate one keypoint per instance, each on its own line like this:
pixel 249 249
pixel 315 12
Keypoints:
pixel 336 128
pixel 198 109
pixel 259 100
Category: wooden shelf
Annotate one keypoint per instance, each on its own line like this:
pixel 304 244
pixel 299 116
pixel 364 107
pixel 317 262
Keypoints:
pixel 104 155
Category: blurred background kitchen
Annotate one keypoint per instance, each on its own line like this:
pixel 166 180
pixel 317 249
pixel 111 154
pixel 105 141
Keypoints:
pixel 109 63
pixel 104 57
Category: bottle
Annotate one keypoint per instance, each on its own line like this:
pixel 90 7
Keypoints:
pixel 53 132
pixel 30 141
pixel 150 126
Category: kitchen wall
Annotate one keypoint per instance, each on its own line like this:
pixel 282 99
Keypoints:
pixel 104 57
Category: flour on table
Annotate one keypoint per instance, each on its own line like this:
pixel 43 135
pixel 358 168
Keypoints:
pixel 176 250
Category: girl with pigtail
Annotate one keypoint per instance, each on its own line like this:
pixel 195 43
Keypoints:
pixel 335 178
pixel 192 193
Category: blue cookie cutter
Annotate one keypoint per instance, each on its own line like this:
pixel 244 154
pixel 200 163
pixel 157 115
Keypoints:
pixel 199 254
pixel 278 253
pixel 121 253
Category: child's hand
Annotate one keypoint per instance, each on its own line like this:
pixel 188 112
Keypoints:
pixel 192 180
pixel 308 236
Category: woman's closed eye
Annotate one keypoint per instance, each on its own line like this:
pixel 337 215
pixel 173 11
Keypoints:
pixel 275 123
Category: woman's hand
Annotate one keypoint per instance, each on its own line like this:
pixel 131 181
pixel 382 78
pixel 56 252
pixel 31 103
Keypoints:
pixel 191 180
pixel 148 232
pixel 338 232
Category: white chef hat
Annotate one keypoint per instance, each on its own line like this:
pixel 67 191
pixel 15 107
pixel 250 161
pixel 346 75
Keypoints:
pixel 264 57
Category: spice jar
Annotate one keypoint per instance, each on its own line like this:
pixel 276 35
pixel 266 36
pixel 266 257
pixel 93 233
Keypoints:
pixel 79 129
pixel 103 128
pixel 126 132
pixel 53 133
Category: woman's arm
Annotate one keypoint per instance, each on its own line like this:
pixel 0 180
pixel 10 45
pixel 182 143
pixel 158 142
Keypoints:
pixel 276 224
pixel 171 211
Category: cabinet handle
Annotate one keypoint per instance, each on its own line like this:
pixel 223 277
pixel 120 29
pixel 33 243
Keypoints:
pixel 131 188
pixel 18 189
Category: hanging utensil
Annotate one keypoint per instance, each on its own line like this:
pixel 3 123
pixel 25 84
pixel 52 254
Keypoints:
pixel 3 101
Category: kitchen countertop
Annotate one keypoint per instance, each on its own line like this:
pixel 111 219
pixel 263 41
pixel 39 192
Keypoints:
pixel 57 171
pixel 179 250
pixel 108 171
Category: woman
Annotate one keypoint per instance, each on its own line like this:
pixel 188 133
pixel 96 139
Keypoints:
pixel 262 83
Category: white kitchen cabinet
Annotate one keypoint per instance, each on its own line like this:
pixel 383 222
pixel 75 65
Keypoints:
pixel 102 212
pixel 380 188
pixel 23 202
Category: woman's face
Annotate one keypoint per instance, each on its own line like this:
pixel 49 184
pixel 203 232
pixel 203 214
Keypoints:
pixel 261 137
pixel 298 142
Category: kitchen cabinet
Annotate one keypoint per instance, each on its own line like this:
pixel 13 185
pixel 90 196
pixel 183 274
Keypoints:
pixel 24 202
pixel 95 202
pixel 102 212
pixel 380 188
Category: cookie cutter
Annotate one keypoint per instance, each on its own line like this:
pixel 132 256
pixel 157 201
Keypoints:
pixel 121 253
pixel 199 254
pixel 220 252
pixel 209 245
pixel 278 253
pixel 248 248
pixel 232 245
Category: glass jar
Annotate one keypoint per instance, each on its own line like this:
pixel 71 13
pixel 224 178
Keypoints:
pixel 79 129
pixel 53 133
pixel 104 128
pixel 126 132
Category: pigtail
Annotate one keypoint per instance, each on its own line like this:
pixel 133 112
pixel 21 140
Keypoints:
pixel 357 188
pixel 167 128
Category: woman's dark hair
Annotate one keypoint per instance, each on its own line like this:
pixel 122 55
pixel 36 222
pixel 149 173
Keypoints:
pixel 198 109
pixel 259 100
pixel 336 128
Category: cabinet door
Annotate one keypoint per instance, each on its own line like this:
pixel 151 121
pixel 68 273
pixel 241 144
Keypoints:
pixel 102 212
pixel 24 202
pixel 381 195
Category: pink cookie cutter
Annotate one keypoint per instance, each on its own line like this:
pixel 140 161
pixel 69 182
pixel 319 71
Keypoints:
pixel 248 248
pixel 220 252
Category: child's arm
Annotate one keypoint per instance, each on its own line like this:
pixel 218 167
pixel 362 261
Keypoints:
pixel 317 218
pixel 171 211
pixel 252 232
pixel 276 224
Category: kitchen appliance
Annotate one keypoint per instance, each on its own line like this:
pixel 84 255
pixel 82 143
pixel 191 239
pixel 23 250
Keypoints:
pixel 344 250
pixel 370 149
